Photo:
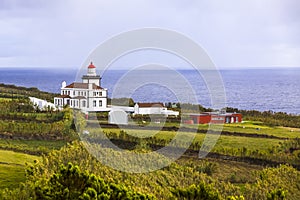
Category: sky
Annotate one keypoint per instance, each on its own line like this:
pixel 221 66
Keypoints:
pixel 235 34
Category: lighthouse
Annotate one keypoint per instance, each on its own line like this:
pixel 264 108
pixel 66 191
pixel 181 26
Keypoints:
pixel 91 77
pixel 87 95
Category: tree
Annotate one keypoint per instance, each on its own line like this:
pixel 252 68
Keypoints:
pixel 199 192
pixel 277 194
pixel 71 183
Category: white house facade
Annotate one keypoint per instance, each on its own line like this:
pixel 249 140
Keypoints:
pixel 87 95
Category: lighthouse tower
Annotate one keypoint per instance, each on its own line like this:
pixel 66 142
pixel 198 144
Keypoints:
pixel 92 76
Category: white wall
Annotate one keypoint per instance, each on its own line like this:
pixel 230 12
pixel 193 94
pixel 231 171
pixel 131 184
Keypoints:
pixel 96 81
pixel 42 104
pixel 148 110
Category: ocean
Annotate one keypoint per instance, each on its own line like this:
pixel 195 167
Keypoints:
pixel 250 89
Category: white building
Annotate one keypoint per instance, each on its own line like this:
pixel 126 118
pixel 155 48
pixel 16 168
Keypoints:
pixel 42 104
pixel 153 108
pixel 87 95
pixel 148 108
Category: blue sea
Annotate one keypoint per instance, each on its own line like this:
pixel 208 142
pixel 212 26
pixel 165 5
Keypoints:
pixel 250 89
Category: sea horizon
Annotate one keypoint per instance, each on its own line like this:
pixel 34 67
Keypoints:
pixel 247 89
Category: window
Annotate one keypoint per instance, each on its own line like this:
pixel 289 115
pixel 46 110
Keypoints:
pixel 100 103
pixel 84 93
pixel 94 103
pixel 68 92
pixel 83 104
pixel 100 93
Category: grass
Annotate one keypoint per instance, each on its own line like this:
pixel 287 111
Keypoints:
pixel 4 99
pixel 255 128
pixel 12 161
pixel 12 170
pixel 235 142
pixel 224 141
pixel 31 146
pixel 247 127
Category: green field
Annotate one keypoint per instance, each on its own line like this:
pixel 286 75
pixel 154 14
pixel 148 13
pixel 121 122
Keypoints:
pixel 15 153
pixel 246 127
pixel 223 141
pixel 31 146
pixel 259 128
pixel 12 168
pixel 250 127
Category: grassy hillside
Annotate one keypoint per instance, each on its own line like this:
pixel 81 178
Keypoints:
pixel 12 168
pixel 26 134
pixel 8 92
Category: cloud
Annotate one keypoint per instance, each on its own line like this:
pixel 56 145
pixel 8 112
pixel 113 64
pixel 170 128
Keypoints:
pixel 235 33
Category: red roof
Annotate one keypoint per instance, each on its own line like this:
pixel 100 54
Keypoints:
pixel 83 86
pixel 91 66
pixel 63 96
pixel 146 105
pixel 68 97
pixel 79 97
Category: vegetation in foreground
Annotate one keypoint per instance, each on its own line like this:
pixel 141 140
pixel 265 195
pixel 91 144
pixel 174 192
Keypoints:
pixel 185 179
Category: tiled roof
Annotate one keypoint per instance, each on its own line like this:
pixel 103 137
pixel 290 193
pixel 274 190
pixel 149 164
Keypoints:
pixel 79 97
pixel 83 86
pixel 63 96
pixel 146 105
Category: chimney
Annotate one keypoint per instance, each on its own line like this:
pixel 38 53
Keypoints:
pixel 90 86
pixel 63 84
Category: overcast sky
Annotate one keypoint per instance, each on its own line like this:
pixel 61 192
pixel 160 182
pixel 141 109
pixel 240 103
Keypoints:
pixel 235 33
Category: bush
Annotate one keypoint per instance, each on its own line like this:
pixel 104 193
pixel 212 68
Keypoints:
pixel 71 183
pixel 199 192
